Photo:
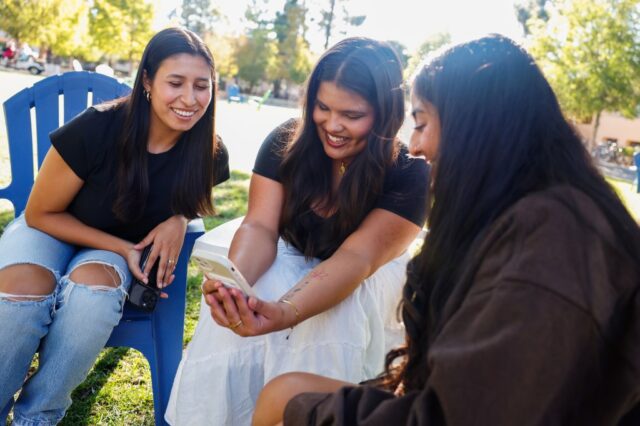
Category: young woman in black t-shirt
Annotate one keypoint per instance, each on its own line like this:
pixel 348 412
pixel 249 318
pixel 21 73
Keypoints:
pixel 334 203
pixel 119 177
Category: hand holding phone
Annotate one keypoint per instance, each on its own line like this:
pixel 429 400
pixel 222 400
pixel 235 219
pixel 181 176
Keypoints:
pixel 217 267
pixel 145 296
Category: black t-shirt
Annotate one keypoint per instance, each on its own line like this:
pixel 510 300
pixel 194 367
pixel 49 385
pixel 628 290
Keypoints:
pixel 87 144
pixel 405 188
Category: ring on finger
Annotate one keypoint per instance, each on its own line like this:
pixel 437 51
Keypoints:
pixel 236 325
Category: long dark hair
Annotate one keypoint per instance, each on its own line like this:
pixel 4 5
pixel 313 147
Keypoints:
pixel 503 136
pixel 191 194
pixel 372 70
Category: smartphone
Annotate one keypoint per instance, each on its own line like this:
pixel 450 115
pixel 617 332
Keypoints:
pixel 141 295
pixel 153 273
pixel 217 267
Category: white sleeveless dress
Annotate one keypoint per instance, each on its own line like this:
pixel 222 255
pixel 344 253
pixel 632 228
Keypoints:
pixel 221 374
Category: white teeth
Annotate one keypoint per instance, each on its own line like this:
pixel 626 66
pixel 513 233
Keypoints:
pixel 183 113
pixel 336 139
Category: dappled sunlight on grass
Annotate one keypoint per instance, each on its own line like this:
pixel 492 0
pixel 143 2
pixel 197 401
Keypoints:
pixel 117 391
pixel 627 193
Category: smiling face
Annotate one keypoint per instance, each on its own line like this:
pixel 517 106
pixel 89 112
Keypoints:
pixel 343 120
pixel 180 93
pixel 425 138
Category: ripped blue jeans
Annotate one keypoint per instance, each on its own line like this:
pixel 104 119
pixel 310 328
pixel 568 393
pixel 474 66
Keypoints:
pixel 68 327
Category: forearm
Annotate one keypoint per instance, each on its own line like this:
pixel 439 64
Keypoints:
pixel 330 282
pixel 65 227
pixel 253 250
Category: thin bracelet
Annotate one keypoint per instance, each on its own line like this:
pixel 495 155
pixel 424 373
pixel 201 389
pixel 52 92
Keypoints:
pixel 289 302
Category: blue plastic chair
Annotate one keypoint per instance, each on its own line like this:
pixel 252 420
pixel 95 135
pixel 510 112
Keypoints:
pixel 157 335
pixel 636 160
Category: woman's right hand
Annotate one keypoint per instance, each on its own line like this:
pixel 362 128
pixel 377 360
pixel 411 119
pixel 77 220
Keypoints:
pixel 133 255
pixel 245 316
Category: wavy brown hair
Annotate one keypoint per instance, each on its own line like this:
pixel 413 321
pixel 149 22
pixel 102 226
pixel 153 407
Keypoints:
pixel 191 194
pixel 372 70
pixel 503 136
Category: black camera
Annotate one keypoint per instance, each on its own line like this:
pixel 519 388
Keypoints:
pixel 145 296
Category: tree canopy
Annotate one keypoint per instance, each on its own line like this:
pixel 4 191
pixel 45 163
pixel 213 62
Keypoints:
pixel 590 52
pixel 293 61
pixel 61 25
pixel 431 44
pixel 121 28
pixel 199 16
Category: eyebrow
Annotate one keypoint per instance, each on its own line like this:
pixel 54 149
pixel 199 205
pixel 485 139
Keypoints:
pixel 182 76
pixel 345 111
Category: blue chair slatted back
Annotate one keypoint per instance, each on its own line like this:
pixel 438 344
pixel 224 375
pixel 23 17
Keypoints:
pixel 77 89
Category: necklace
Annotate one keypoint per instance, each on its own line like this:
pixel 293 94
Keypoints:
pixel 343 167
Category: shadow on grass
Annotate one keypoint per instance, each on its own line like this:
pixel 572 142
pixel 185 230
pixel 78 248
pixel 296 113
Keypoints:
pixel 85 395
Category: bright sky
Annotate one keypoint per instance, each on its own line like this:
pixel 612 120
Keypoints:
pixel 407 21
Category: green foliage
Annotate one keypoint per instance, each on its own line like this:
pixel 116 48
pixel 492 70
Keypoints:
pixel 293 62
pixel 255 55
pixel 527 9
pixel 431 44
pixel 590 52
pixel 256 51
pixel 5 218
pixel 121 28
pixel 61 25
pixel 336 19
pixel 223 48
pixel 199 16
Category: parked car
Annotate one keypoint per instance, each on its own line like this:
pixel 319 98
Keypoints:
pixel 30 64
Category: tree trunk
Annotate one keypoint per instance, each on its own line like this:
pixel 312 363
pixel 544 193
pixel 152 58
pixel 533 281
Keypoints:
pixel 594 135
pixel 276 87
pixel 327 30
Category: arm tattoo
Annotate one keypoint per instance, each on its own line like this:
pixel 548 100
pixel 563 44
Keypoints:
pixel 313 275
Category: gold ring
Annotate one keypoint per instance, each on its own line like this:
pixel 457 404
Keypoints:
pixel 170 261
pixel 236 325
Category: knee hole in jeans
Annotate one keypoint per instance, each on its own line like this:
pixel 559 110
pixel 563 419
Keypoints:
pixel 26 281
pixel 95 274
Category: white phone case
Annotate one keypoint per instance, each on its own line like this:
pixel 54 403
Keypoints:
pixel 217 267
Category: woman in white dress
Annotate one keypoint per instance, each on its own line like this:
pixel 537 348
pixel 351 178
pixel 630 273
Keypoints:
pixel 334 202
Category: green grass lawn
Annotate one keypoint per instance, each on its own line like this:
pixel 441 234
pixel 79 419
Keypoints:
pixel 627 193
pixel 118 388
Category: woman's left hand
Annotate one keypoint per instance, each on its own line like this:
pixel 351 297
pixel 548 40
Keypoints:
pixel 167 239
pixel 245 316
